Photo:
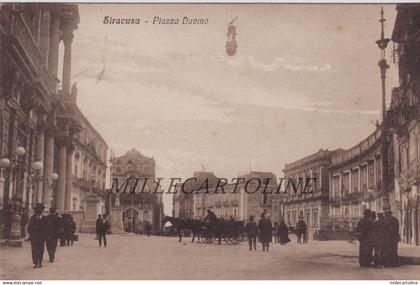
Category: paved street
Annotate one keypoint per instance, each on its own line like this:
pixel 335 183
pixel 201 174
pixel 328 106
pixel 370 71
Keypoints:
pixel 141 257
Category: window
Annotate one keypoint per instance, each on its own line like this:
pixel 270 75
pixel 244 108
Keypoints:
pixel 355 180
pixel 363 179
pixel 378 169
pixel 336 186
pixel 371 173
pixel 315 218
pixel 346 182
pixel 264 198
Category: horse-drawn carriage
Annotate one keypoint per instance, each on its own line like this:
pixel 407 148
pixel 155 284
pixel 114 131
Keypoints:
pixel 232 232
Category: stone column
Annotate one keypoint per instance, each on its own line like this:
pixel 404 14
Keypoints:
pixel 48 167
pixel 69 178
pixel 68 40
pixel 54 43
pixel 61 184
pixel 39 156
pixel 45 34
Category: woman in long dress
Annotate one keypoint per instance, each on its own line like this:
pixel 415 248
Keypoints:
pixel 283 232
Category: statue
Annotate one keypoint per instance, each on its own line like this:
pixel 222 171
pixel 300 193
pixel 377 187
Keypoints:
pixel 231 44
pixel 74 90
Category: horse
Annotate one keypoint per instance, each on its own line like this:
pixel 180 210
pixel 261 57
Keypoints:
pixel 182 225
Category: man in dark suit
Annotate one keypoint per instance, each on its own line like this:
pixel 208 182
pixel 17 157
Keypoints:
pixel 53 229
pixel 391 258
pixel 99 222
pixel 265 228
pixel 364 231
pixel 37 232
pixel 103 229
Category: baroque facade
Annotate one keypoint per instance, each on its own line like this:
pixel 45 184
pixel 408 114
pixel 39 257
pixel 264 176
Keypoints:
pixel 40 121
pixel 404 121
pixel 313 206
pixel 35 113
pixel 131 212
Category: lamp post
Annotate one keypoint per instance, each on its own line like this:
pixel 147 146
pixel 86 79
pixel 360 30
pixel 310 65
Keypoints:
pixel 10 164
pixel 12 228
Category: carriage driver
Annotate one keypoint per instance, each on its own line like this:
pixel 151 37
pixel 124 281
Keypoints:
pixel 210 219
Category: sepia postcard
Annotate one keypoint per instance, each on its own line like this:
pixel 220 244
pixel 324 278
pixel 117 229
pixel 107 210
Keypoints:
pixel 209 141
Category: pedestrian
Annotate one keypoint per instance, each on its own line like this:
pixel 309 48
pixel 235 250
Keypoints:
pixel 379 237
pixel 275 230
pixel 63 226
pixel 283 232
pixel 391 258
pixel 301 230
pixel 53 230
pixel 148 228
pixel 98 226
pixel 265 229
pixel 104 226
pixel 71 231
pixel 364 230
pixel 36 228
pixel 251 230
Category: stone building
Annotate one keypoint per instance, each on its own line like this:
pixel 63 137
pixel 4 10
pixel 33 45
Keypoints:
pixel 37 109
pixel 44 137
pixel 235 202
pixel 314 206
pixel 131 212
pixel 89 161
pixel 404 120
pixel 357 178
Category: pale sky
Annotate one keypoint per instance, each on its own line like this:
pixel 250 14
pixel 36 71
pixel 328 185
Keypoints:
pixel 305 77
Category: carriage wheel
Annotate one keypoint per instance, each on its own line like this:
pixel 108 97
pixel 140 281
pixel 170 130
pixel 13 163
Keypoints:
pixel 236 238
pixel 227 240
pixel 207 237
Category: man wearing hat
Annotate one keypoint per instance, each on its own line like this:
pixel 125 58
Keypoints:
pixel 364 231
pixel 53 230
pixel 36 228
pixel 391 248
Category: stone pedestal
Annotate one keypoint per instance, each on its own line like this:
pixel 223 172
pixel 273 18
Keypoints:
pixel 15 238
pixel 91 214
pixel 116 220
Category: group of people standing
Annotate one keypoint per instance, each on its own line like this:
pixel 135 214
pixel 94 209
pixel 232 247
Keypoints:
pixel 264 230
pixel 45 231
pixel 378 239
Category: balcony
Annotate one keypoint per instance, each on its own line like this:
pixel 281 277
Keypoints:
pixel 226 203
pixel 25 41
pixel 335 201
pixel 352 197
pixel 82 182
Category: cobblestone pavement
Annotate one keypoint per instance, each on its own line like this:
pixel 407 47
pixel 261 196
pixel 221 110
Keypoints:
pixel 140 257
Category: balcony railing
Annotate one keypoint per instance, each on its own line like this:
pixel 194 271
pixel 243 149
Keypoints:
pixel 357 149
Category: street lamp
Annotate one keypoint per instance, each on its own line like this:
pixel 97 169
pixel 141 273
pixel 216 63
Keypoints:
pixel 11 164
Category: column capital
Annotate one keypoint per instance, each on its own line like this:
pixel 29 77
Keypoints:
pixel 61 140
pixel 67 28
pixel 42 123
pixel 70 147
